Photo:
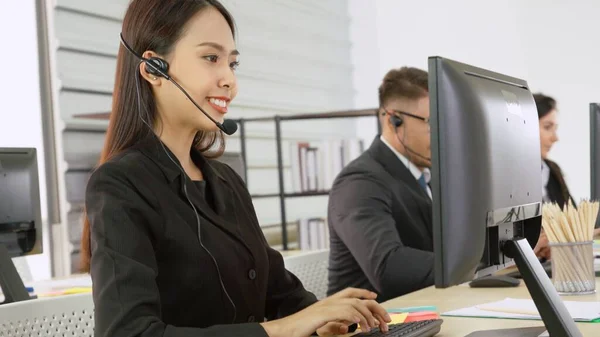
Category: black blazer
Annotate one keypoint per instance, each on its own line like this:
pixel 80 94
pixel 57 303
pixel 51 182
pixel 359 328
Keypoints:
pixel 151 277
pixel 558 192
pixel 380 223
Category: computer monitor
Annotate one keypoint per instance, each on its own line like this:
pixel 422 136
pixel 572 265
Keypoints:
pixel 487 182
pixel 20 216
pixel 595 150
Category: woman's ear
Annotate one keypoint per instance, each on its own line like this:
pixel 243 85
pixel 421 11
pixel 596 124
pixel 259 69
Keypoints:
pixel 151 78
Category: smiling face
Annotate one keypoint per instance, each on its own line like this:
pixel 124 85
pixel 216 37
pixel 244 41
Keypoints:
pixel 548 135
pixel 203 62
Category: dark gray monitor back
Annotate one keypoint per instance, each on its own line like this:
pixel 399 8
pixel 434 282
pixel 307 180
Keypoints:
pixel 595 153
pixel 20 214
pixel 486 168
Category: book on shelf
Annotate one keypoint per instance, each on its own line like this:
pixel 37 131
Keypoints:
pixel 313 234
pixel 316 164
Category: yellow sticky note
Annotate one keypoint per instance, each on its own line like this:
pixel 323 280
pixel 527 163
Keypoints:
pixel 398 318
pixel 77 290
pixel 68 291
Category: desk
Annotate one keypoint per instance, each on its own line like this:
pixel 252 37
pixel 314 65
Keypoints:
pixel 463 296
pixel 46 287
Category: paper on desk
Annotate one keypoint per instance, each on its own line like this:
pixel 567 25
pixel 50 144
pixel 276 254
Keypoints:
pixel 525 309
pixel 48 286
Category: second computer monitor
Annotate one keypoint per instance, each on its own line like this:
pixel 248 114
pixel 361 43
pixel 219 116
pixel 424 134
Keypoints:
pixel 486 168
pixel 595 153
pixel 595 150
pixel 20 214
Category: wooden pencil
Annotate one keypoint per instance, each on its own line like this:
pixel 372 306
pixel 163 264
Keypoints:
pixel 570 231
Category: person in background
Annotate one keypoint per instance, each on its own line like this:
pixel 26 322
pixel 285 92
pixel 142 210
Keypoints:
pixel 555 188
pixel 380 210
pixel 171 238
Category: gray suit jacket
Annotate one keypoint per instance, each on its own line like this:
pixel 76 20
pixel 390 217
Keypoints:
pixel 380 223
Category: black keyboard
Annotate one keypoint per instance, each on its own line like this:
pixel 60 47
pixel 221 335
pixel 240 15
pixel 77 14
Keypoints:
pixel 426 328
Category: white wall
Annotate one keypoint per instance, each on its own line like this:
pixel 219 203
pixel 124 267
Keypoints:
pixel 562 57
pixel 551 46
pixel 294 60
pixel 20 115
pixel 365 52
pixel 366 61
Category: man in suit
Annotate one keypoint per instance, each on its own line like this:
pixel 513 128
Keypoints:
pixel 379 212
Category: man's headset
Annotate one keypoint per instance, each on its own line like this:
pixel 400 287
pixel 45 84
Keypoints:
pixel 397 121
pixel 159 67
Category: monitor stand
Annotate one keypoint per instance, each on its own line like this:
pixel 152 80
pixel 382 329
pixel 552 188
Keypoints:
pixel 11 283
pixel 554 314
pixel 536 331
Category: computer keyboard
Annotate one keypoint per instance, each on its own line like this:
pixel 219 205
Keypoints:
pixel 426 328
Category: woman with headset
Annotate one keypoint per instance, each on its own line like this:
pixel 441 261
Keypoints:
pixel 171 238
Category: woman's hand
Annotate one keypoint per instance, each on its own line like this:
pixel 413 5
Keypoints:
pixel 332 316
pixel 542 248
pixel 380 316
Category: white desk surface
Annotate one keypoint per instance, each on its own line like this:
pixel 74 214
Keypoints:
pixel 463 296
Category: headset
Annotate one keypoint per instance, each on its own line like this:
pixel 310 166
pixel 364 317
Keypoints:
pixel 397 121
pixel 159 67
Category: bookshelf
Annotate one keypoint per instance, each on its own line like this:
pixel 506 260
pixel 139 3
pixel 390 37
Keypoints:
pixel 279 120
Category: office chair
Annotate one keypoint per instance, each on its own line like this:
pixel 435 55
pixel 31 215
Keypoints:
pixel 68 315
pixel 235 160
pixel 311 268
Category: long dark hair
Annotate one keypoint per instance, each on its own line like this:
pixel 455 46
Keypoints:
pixel 545 104
pixel 148 25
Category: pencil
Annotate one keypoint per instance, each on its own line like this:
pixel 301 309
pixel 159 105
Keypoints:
pixel 570 232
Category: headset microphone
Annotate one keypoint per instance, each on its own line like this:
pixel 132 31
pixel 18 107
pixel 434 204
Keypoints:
pixel 229 126
pixel 396 122
pixel 159 67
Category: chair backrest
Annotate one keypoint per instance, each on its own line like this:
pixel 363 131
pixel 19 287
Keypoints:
pixel 311 268
pixel 235 161
pixel 61 316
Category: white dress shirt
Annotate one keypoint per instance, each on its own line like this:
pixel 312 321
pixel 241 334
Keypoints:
pixel 416 172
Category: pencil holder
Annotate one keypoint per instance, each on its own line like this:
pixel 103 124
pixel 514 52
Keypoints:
pixel 573 268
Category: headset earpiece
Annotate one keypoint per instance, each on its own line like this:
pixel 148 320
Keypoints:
pixel 154 65
pixel 157 67
pixel 396 121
